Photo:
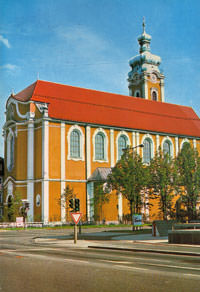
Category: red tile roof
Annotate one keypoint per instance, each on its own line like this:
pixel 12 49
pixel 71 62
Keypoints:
pixel 102 108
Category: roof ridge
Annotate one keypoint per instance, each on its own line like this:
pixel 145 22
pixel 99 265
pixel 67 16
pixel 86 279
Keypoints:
pixel 119 108
pixel 112 93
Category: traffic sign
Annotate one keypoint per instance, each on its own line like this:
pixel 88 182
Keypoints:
pixel 76 216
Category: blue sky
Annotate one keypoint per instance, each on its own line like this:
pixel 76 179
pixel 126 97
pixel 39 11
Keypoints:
pixel 88 43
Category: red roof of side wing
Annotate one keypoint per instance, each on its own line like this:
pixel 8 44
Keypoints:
pixel 102 108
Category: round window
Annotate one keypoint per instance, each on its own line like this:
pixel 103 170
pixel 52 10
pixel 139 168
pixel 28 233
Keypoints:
pixel 38 200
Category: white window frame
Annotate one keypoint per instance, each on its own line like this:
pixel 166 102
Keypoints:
pixel 82 143
pixel 137 91
pixel 184 141
pixel 10 148
pixel 38 199
pixel 148 136
pixel 153 89
pixel 102 131
pixel 122 133
pixel 171 145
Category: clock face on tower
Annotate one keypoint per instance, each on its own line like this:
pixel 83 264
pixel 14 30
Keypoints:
pixel 153 77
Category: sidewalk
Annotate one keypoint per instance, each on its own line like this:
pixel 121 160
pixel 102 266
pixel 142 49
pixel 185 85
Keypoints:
pixel 122 242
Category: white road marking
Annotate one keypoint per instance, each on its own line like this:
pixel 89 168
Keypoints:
pixel 194 275
pixel 130 268
pixel 177 267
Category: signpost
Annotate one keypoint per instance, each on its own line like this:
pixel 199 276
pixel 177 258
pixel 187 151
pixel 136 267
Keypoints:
pixel 20 221
pixel 137 220
pixel 76 216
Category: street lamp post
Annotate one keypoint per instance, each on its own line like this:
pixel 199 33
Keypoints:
pixel 138 146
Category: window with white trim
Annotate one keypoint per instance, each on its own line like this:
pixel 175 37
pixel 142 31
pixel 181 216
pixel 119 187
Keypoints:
pixel 147 150
pixel 100 146
pixel 122 143
pixel 185 143
pixel 154 95
pixel 75 151
pixel 38 200
pixel 137 93
pixel 167 147
pixel 10 151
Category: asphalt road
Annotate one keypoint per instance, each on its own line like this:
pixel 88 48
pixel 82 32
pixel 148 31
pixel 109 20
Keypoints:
pixel 29 266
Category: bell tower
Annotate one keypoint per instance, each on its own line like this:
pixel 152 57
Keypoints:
pixel 145 79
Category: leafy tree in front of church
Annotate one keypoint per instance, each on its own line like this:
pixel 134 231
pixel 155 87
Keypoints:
pixel 129 177
pixel 188 167
pixel 162 182
pixel 67 195
pixel 13 207
pixel 101 196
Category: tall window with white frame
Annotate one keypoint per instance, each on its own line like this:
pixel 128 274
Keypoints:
pixel 147 150
pixel 75 144
pixel 167 147
pixel 100 146
pixel 122 143
pixel 10 151
pixel 154 95
pixel 185 143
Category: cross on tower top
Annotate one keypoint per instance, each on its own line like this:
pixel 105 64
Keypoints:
pixel 143 24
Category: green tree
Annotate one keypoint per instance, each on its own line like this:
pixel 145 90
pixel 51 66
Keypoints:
pixel 101 196
pixel 64 200
pixel 162 181
pixel 188 167
pixel 129 177
pixel 13 208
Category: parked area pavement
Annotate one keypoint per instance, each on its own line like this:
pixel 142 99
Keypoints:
pixel 119 240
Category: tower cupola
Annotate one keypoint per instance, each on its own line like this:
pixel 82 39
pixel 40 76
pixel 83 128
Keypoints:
pixel 145 79
pixel 144 40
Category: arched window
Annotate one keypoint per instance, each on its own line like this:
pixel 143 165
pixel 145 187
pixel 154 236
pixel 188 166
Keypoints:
pixel 122 143
pixel 75 144
pixel 154 95
pixel 184 144
pixel 99 146
pixel 38 200
pixel 10 151
pixel 167 147
pixel 147 150
pixel 137 93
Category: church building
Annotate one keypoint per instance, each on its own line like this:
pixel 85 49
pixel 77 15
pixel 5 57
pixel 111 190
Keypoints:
pixel 57 135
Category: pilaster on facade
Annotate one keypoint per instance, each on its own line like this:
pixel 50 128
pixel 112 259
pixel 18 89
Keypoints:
pixel 62 165
pixel 162 91
pixel 88 151
pixel 147 206
pixel 112 148
pixel 133 139
pixel 157 142
pixel 45 171
pixel 176 146
pixel 88 171
pixel 137 142
pixel 194 143
pixel 30 170
pixel 120 208
pixel 90 198
pixel 145 88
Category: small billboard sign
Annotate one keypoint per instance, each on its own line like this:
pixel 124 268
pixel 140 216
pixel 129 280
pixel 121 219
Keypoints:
pixel 137 220
pixel 20 221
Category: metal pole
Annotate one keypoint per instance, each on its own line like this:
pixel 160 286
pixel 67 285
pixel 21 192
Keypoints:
pixel 75 233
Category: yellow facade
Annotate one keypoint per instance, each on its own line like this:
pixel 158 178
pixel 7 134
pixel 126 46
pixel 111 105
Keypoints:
pixel 72 172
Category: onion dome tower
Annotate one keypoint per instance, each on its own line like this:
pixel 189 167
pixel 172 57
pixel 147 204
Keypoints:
pixel 145 79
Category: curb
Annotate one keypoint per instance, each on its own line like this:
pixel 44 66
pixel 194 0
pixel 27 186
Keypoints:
pixel 146 250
